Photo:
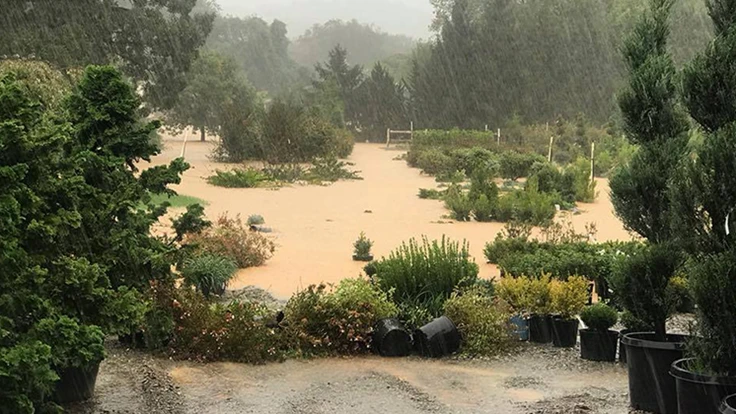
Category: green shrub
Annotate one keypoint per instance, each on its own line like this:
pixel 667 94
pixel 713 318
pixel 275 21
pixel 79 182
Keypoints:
pixel 578 173
pixel 452 177
pixel 210 274
pixel 569 297
pixel 284 173
pixel 431 194
pixel 73 345
pixel 471 160
pixel 362 247
pixel 527 206
pixel 483 322
pixel 331 169
pixel 433 162
pixel 238 178
pixel 255 220
pixel 599 317
pixel 215 332
pixel 502 248
pixel 538 299
pixel 27 379
pixel 230 238
pixel 459 203
pixel 426 274
pixel 342 143
pixel 679 290
pixel 514 165
pixel 342 322
pixel 515 292
pixel 633 323
pixel 484 209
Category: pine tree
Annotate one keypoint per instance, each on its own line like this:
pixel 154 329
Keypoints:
pixel 706 193
pixel 640 190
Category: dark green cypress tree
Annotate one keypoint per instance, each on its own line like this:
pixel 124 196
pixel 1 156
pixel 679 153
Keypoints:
pixel 706 193
pixel 640 190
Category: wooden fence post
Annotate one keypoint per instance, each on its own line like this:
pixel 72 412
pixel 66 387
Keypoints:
pixel 551 143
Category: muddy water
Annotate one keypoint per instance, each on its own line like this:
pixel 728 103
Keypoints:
pixel 315 226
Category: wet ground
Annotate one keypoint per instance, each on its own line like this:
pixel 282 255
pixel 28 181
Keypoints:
pixel 536 379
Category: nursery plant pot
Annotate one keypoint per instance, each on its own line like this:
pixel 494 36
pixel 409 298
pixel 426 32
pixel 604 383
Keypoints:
pixel 522 327
pixel 540 329
pixel 651 387
pixel 437 338
pixel 621 347
pixel 697 393
pixel 76 384
pixel 392 339
pixel 728 406
pixel 598 345
pixel 368 258
pixel 564 332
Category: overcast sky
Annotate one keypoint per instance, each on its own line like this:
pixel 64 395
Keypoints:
pixel 409 17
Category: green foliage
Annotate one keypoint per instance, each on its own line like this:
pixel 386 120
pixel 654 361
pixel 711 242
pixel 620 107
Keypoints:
pixel 526 206
pixel 255 220
pixel 362 246
pixel 230 238
pixel 238 178
pixel 73 34
pixel 712 281
pixel 26 377
pixel 459 203
pixel 634 324
pixel 431 194
pixel 210 274
pixel 177 201
pixel 641 283
pixel 72 345
pixel 569 297
pixel 433 162
pixel 425 275
pixel 383 104
pixel 330 169
pixel 599 317
pixel 341 322
pixel 215 332
pixel 514 165
pixel 482 321
pixel 45 84
pixel 515 292
pixel 452 177
pixel 484 208
pixel 539 295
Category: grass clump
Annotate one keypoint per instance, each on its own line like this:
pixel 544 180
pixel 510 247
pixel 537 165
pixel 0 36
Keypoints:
pixel 176 201
pixel 209 273
pixel 422 276
pixel 238 178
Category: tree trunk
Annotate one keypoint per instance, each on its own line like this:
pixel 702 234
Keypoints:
pixel 203 136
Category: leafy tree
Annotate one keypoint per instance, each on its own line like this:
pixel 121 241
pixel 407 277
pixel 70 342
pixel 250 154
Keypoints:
pixel 640 190
pixel 154 41
pixel 382 104
pixel 260 50
pixel 213 85
pixel 366 43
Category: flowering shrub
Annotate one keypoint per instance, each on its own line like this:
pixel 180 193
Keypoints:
pixel 213 332
pixel 323 322
pixel 231 238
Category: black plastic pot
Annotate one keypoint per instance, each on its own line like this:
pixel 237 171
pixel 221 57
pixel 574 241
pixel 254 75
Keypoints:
pixel 651 387
pixel 699 394
pixel 540 329
pixel 564 332
pixel 368 258
pixel 437 338
pixel 392 339
pixel 728 406
pixel 621 347
pixel 598 345
pixel 76 384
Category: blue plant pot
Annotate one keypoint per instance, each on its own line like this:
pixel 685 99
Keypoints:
pixel 522 327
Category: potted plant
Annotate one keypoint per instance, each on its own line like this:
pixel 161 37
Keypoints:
pixel 728 406
pixel 568 300
pixel 705 192
pixel 76 353
pixel 597 341
pixel 539 302
pixel 641 195
pixel 513 291
pixel 631 324
pixel 362 249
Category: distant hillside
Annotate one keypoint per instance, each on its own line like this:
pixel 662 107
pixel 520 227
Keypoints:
pixel 365 44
